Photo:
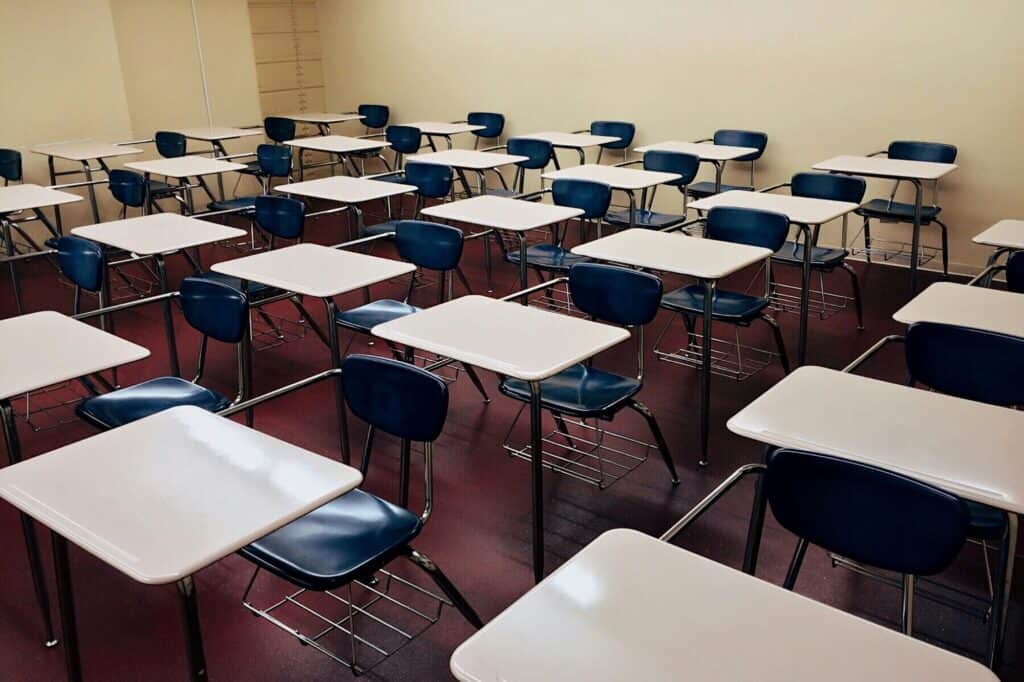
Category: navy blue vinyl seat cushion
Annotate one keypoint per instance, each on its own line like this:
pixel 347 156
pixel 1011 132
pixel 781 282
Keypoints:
pixel 248 203
pixel 1015 272
pixel 547 257
pixel 727 305
pixel 985 523
pixel 125 405
pixel 579 390
pixel 883 208
pixel 651 220
pixel 706 188
pixel 81 261
pixel 345 539
pixel 493 123
pixel 387 227
pixel 792 253
pixel 366 317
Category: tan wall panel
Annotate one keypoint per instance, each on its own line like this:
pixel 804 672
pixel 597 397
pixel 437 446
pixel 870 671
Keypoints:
pixel 270 47
pixel 276 17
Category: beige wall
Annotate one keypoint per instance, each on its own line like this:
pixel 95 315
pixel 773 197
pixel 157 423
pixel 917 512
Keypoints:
pixel 821 78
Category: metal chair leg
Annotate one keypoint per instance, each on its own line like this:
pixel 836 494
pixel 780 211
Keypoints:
pixel 779 343
pixel 907 613
pixel 945 246
pixel 795 563
pixel 867 238
pixel 446 586
pixel 471 373
pixel 855 285
pixel 652 423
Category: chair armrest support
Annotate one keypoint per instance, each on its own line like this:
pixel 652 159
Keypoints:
pixel 712 498
pixel 867 355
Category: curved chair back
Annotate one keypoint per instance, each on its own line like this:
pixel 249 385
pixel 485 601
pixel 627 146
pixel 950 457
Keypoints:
pixel 743 138
pixel 538 152
pixel 374 115
pixel 275 160
pixel 967 363
pixel 828 186
pixel 685 165
pixel 935 152
pixel 215 309
pixel 82 262
pixel 748 226
pixel 614 294
pixel 589 196
pixel 429 245
pixel 170 145
pixel 404 139
pixel 10 165
pixel 128 187
pixel 282 217
pixel 1015 272
pixel 432 180
pixel 279 129
pixel 396 397
pixel 624 130
pixel 493 123
pixel 865 513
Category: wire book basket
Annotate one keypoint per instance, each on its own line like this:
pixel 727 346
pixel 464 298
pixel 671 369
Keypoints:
pixel 50 407
pixel 730 358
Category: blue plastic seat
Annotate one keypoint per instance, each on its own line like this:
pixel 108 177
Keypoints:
pixel 624 130
pixel 1015 272
pixel 129 189
pixel 548 257
pixel 684 165
pixel 240 203
pixel 170 145
pixel 822 257
pixel 10 165
pixel 494 125
pixel 538 155
pixel 883 208
pixel 579 390
pixel 375 116
pixel 366 317
pixel 727 306
pixel 272 161
pixel 125 405
pixel 279 129
pixel 733 138
pixel 432 181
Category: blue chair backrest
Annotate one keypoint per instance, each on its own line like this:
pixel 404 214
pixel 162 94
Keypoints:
pixel 748 226
pixel 935 152
pixel 275 160
pixel 538 151
pixel 589 196
pixel 828 186
pixel 743 138
pixel 967 363
pixel 614 294
pixel 10 165
pixel 404 139
pixel 215 309
pixel 282 217
pixel 494 124
pixel 82 262
pixel 396 397
pixel 170 145
pixel 624 130
pixel 429 245
pixel 432 180
pixel 1015 272
pixel 865 513
pixel 374 115
pixel 279 129
pixel 685 165
pixel 128 187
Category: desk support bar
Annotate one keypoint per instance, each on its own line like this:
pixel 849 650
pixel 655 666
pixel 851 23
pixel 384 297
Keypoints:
pixel 712 498
pixel 853 366
pixel 278 392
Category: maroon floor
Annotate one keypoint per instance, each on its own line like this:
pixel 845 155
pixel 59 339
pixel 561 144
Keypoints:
pixel 480 530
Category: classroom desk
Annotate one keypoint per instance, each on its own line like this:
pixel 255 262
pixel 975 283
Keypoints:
pixel 174 492
pixel 462 160
pixel 320 272
pixel 807 213
pixel 323 121
pixel 28 197
pixel 631 607
pixel 182 168
pixel 510 340
pixel 346 191
pixel 1005 237
pixel 82 152
pixel 706 259
pixel 577 141
pixel 967 448
pixel 991 310
pixel 503 213
pixel 715 154
pixel 443 130
pixel 339 145
pixel 914 172
pixel 157 236
pixel 627 180
pixel 216 135
pixel 42 349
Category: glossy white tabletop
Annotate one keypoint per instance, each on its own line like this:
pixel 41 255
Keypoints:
pixel 314 270
pixel 443 128
pixel 85 150
pixel 344 189
pixel 884 167
pixel 24 197
pixel 616 176
pixel 572 140
pixel 337 144
pixel 149 235
pixel 967 448
pixel 629 607
pixel 1005 233
pixel 502 213
pixel 45 348
pixel 705 151
pixel 167 495
pixel 468 158
pixel 211 133
pixel 993 310
pixel 673 252
pixel 185 166
pixel 508 338
pixel 798 209
pixel 322 117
